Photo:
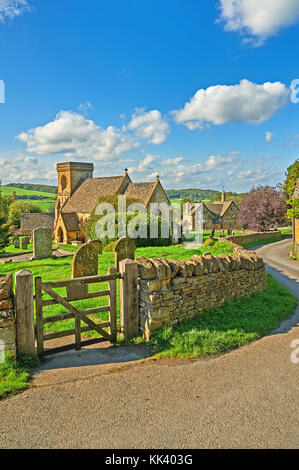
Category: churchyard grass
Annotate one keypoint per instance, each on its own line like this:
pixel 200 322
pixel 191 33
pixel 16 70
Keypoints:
pixel 51 269
pixel 220 330
pixel 14 375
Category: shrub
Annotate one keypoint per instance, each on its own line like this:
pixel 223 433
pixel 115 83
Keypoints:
pixel 209 242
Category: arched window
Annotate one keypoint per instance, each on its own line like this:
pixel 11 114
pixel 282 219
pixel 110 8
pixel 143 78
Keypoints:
pixel 63 182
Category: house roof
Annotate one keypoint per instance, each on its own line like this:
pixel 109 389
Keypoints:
pixel 87 195
pixel 296 192
pixel 140 191
pixel 30 222
pixel 71 221
pixel 217 208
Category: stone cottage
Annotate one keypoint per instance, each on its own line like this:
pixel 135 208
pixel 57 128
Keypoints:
pixel 221 215
pixel 29 222
pixel 79 192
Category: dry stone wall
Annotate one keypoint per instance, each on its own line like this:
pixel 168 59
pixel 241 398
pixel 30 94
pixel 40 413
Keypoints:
pixel 253 237
pixel 7 317
pixel 171 290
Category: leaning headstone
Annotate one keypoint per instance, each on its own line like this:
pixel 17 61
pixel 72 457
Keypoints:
pixel 124 249
pixel 97 244
pixel 42 243
pixel 85 264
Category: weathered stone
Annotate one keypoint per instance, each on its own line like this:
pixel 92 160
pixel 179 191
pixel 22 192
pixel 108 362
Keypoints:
pixel 8 335
pixel 146 269
pixel 124 249
pixel 85 262
pixel 42 243
pixel 5 286
pixel 97 244
pixel 16 243
pixel 161 272
pixel 6 304
pixel 24 243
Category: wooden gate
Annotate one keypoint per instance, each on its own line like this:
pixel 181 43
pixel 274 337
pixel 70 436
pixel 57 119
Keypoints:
pixel 73 312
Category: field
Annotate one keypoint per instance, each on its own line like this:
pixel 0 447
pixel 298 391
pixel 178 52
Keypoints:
pixel 46 201
pixel 60 269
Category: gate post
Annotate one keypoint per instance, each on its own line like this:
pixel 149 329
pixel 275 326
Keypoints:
pixel 129 299
pixel 25 312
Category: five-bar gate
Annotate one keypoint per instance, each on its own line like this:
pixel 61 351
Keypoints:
pixel 80 285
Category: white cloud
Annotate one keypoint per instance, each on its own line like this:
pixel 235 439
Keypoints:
pixel 258 19
pixel 144 165
pixel 21 168
pixel 9 9
pixel 75 136
pixel 222 104
pixel 150 126
pixel 258 176
pixel 269 136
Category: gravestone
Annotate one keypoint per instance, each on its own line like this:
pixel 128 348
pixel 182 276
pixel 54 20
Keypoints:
pixel 42 243
pixel 97 244
pixel 16 243
pixel 85 264
pixel 24 243
pixel 124 249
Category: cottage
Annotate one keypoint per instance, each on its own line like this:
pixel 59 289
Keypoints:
pixel 79 192
pixel 221 215
pixel 30 222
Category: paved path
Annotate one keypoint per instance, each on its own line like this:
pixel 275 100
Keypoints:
pixel 245 399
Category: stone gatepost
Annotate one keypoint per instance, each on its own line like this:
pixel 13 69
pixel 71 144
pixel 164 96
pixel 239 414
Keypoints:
pixel 7 318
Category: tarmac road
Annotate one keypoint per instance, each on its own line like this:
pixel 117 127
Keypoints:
pixel 245 399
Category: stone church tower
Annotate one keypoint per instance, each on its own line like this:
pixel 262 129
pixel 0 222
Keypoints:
pixel 70 176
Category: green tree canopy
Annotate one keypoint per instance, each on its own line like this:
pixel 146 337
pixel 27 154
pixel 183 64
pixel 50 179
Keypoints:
pixel 18 207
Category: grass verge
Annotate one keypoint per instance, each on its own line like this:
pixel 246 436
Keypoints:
pixel 14 375
pixel 262 242
pixel 220 330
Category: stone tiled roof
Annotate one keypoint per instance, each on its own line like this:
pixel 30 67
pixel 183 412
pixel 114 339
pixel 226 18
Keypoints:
pixel 87 195
pixel 217 208
pixel 30 222
pixel 140 191
pixel 71 221
pixel 296 192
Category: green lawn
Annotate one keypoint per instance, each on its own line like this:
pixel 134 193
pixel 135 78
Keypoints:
pixel 262 242
pixel 14 375
pixel 220 330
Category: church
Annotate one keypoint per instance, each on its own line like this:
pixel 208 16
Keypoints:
pixel 79 192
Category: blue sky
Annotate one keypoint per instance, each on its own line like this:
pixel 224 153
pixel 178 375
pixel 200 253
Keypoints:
pixel 196 91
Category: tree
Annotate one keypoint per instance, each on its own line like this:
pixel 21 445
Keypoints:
pixel 18 207
pixel 262 208
pixel 4 228
pixel 292 175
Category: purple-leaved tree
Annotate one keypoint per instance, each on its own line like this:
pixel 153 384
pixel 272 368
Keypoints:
pixel 262 208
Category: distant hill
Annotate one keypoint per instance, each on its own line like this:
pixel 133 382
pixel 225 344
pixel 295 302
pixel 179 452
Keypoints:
pixel 202 195
pixel 43 188
pixel 45 200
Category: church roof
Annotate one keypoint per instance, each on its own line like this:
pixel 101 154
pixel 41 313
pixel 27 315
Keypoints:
pixel 71 221
pixel 140 191
pixel 87 195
